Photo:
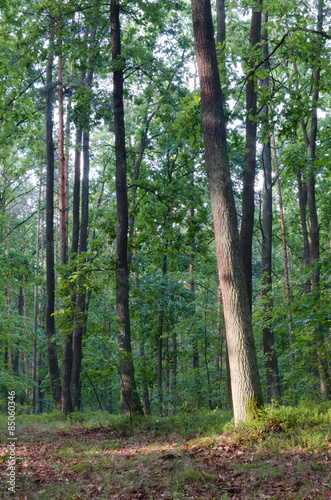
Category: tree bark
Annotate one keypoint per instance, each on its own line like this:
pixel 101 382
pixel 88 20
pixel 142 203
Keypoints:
pixel 248 205
pixel 196 370
pixel 160 337
pixel 245 381
pixel 130 402
pixel 35 306
pixel 50 279
pixel 312 208
pixel 271 365
pixel 145 391
pixel 286 273
pixel 81 312
pixel 63 210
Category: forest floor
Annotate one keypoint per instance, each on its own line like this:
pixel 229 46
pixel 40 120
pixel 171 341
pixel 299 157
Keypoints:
pixel 174 458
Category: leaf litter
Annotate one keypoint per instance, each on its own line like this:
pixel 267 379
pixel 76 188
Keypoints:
pixel 104 463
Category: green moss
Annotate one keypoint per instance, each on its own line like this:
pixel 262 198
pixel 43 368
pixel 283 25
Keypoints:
pixel 199 477
pixel 253 408
pixel 80 467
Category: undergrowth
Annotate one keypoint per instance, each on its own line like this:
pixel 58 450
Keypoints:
pixel 273 421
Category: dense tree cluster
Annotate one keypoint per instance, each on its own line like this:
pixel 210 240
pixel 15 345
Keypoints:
pixel 155 258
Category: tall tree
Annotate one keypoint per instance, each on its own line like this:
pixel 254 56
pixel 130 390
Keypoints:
pixel 248 204
pixel 81 306
pixel 271 364
pixel 129 397
pixel 50 301
pixel 311 198
pixel 245 381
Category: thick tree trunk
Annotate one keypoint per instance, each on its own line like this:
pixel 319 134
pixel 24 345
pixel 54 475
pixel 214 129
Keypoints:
pixel 248 205
pixel 50 279
pixel 271 365
pixel 130 402
pixel 245 381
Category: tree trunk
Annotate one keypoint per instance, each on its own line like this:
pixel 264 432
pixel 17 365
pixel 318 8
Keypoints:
pixel 63 210
pixel 248 205
pixel 50 302
pixel 221 30
pixel 286 273
pixel 314 226
pixel 130 402
pixel 35 306
pixel 245 381
pixel 173 371
pixel 145 392
pixel 271 365
pixel 196 371
pixel 81 299
pixel 160 336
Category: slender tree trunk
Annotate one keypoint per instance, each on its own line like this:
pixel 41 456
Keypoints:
pixel 173 371
pixel 145 392
pixel 286 273
pixel 130 402
pixel 63 210
pixel 35 306
pixel 160 336
pixel 81 312
pixel 271 365
pixel 314 226
pixel 221 30
pixel 196 371
pixel 81 299
pixel 210 391
pixel 50 303
pixel 63 173
pixel 25 315
pixel 245 381
pixel 248 205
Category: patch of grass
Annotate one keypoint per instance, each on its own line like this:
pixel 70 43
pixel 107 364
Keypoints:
pixel 195 423
pixel 196 476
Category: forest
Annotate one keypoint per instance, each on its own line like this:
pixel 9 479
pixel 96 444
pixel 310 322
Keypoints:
pixel 165 223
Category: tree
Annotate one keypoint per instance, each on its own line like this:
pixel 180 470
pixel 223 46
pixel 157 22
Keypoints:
pixel 248 204
pixel 271 365
pixel 129 395
pixel 50 322
pixel 245 382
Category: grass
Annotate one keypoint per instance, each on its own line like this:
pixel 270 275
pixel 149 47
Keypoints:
pixel 285 454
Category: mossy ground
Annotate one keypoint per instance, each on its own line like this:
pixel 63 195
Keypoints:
pixel 284 455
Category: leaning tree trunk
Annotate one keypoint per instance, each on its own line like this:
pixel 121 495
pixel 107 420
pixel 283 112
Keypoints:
pixel 248 205
pixel 130 402
pixel 245 381
pixel 50 279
